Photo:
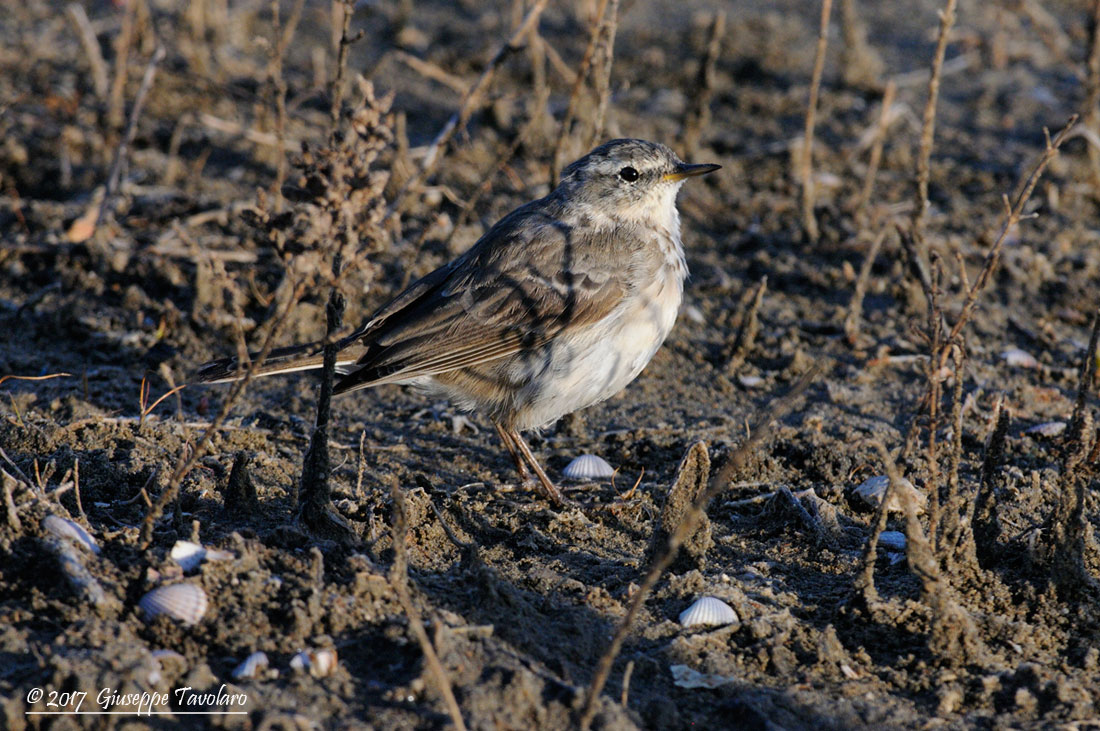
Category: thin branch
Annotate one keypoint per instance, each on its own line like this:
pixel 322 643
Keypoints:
pixel 876 148
pixel 88 40
pixel 928 126
pixel 855 307
pixel 131 129
pixel 1013 215
pixel 805 166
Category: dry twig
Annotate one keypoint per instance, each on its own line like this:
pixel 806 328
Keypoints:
pixel 698 116
pixel 809 222
pixel 131 129
pixel 876 148
pixel 855 307
pixel 90 43
pixel 602 81
pixel 928 125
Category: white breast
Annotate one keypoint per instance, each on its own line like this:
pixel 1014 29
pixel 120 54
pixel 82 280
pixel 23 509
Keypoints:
pixel 601 360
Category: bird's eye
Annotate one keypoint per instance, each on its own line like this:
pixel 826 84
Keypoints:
pixel 628 174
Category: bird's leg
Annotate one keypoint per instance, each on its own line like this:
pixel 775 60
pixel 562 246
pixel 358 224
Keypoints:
pixel 548 487
pixel 521 466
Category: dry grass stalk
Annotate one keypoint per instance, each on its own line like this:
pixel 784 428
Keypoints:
pixel 698 116
pixel 341 20
pixel 928 124
pixel 90 43
pixel 557 160
pixel 122 62
pixel 471 101
pixel 399 579
pixel 278 87
pixel 805 166
pixel 432 71
pixel 876 149
pixel 605 51
pixel 719 480
pixel 128 138
pixel 34 378
pixel 1014 213
pixel 864 583
pixel 855 307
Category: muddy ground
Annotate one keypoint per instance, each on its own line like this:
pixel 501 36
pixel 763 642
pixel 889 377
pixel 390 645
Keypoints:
pixel 521 598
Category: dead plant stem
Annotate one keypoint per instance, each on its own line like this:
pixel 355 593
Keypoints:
pixel 809 222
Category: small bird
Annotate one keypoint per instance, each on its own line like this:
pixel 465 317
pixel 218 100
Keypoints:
pixel 559 306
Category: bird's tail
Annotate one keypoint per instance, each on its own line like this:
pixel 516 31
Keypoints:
pixel 281 360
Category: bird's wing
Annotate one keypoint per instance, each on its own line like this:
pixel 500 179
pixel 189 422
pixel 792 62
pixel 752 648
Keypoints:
pixel 528 280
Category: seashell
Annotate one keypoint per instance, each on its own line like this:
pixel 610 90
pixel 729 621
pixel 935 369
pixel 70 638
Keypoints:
pixel 892 540
pixel 185 603
pixel 1048 429
pixel 319 663
pixel 872 489
pixel 300 662
pixel 68 530
pixel 187 554
pixel 588 467
pixel 708 611
pixel 1019 358
pixel 251 666
pixel 322 663
pixel 750 381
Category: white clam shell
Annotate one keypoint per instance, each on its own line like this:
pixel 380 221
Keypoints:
pixel 871 490
pixel 68 530
pixel 892 540
pixel 588 467
pixel 319 663
pixel 251 666
pixel 185 603
pixel 1048 429
pixel 708 611
pixel 187 554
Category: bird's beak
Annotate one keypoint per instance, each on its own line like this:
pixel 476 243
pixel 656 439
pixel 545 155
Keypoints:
pixel 684 171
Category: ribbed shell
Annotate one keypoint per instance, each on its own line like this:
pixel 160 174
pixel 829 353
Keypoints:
pixel 708 611
pixel 251 666
pixel 588 467
pixel 67 530
pixel 185 603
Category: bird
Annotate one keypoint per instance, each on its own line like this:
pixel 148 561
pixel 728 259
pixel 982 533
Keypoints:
pixel 557 307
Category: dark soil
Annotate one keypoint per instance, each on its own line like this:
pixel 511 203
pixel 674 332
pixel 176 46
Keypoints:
pixel 523 601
